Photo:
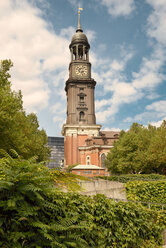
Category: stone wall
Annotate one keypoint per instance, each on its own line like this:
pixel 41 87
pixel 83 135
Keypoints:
pixel 110 189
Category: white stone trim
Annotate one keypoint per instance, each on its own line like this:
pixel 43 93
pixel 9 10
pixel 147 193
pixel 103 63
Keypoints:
pixel 89 130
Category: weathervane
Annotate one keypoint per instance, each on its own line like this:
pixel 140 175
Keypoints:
pixel 79 11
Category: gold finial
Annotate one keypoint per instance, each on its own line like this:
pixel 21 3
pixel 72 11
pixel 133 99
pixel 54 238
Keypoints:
pixel 79 25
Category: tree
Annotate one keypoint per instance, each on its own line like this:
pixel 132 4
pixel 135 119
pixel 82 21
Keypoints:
pixel 157 151
pixel 31 213
pixel 139 150
pixel 18 130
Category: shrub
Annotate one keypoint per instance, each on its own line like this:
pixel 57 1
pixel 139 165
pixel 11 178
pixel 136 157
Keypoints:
pixel 152 192
pixel 33 213
pixel 134 177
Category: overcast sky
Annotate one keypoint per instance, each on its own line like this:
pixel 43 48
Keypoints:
pixel 128 56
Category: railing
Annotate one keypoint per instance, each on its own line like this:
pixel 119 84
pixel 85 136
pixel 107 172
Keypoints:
pixel 149 204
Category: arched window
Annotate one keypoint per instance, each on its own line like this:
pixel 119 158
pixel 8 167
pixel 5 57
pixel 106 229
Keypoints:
pixel 81 116
pixel 103 157
pixel 80 52
pixel 86 53
pixel 74 53
pixel 81 98
pixel 88 160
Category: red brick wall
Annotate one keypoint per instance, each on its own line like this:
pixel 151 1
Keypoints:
pixel 71 152
pixel 74 156
pixel 93 173
pixel 95 155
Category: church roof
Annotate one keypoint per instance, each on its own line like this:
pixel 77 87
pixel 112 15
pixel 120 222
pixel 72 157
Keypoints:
pixel 79 37
pixel 110 134
pixel 105 138
pixel 87 167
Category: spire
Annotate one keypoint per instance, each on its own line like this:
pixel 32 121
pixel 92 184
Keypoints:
pixel 79 25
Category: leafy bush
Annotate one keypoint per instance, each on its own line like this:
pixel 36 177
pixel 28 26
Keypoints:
pixel 152 191
pixel 113 224
pixel 28 215
pixel 134 177
pixel 33 213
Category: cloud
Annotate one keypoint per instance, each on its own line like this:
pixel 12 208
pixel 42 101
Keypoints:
pixel 111 129
pixel 143 83
pixel 157 21
pixel 157 123
pixel 91 35
pixel 40 55
pixel 67 32
pixel 159 106
pixel 76 3
pixel 119 7
pixel 154 111
pixel 101 104
pixel 35 49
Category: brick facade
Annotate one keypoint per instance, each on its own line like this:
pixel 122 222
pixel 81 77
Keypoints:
pixel 90 173
pixel 88 146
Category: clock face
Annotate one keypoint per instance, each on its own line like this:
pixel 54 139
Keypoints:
pixel 81 70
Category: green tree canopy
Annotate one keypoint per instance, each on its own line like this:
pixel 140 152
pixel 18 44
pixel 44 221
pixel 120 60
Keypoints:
pixel 18 130
pixel 139 150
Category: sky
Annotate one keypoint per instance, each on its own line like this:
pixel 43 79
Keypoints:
pixel 128 57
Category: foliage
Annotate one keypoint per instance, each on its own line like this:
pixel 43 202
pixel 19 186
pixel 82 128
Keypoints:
pixel 113 224
pixel 70 167
pixel 28 215
pixel 139 150
pixel 33 213
pixel 125 224
pixel 152 191
pixel 18 131
pixel 67 181
pixel 134 177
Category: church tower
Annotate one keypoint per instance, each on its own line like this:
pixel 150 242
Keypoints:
pixel 81 121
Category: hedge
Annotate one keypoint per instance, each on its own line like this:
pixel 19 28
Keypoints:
pixel 134 177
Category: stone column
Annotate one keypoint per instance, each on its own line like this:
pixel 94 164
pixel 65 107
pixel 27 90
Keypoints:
pixel 71 52
pixel 88 55
pixel 76 52
pixel 83 52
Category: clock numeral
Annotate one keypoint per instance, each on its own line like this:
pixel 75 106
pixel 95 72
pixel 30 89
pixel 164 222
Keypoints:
pixel 81 70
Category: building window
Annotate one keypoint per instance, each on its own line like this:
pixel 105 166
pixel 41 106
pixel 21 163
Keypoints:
pixel 87 172
pixel 103 157
pixel 81 116
pixel 81 89
pixel 80 52
pixel 88 160
pixel 74 53
pixel 81 98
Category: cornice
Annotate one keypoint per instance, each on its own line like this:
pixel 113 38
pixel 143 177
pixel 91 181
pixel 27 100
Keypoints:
pixel 94 147
pixel 81 129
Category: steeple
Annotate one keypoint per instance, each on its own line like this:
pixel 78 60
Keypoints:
pixel 81 120
pixel 80 98
pixel 79 67
pixel 79 25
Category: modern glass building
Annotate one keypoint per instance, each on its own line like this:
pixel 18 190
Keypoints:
pixel 57 152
